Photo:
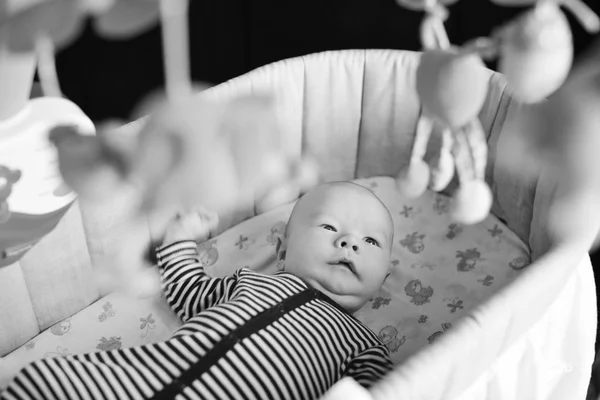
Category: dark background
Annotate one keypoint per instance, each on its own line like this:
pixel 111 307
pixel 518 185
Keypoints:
pixel 107 78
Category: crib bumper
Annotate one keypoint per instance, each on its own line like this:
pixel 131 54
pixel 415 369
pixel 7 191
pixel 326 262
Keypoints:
pixel 550 361
pixel 533 341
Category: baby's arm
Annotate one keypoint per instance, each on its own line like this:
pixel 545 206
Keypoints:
pixel 187 287
pixel 139 372
pixel 370 366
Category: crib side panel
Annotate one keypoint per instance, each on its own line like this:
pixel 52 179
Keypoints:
pixel 547 317
pixel 50 282
pixel 19 322
pixel 333 93
pixel 390 110
pixel 56 278
pixel 514 193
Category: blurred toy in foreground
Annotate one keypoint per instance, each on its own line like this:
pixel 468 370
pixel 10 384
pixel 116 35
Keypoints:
pixel 535 50
pixel 452 86
pixel 197 152
pixel 536 53
pixel 562 137
pixel 419 5
pixel 220 155
pixel 556 126
pixel 191 151
pixel 61 21
pixel 33 196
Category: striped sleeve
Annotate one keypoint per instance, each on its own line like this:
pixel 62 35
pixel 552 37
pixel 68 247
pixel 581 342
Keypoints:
pixel 130 373
pixel 188 289
pixel 370 366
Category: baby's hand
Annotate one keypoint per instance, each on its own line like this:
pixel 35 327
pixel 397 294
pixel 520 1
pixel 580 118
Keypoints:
pixel 194 225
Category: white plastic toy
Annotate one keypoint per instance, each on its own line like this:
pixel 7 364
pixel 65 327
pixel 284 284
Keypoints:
pixel 536 53
pixel 33 195
pixel 236 143
pixel 452 87
pixel 535 50
pixel 191 151
pixel 61 21
pixel 561 135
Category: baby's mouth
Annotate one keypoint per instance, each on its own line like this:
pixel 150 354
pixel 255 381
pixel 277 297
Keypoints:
pixel 344 263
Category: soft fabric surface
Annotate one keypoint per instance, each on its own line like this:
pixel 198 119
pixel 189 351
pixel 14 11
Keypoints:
pixel 439 272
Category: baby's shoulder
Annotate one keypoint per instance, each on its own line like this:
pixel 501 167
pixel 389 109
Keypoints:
pixel 249 276
pixel 245 271
pixel 367 335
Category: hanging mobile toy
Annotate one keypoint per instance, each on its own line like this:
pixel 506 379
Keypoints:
pixel 237 143
pixel 419 5
pixel 536 49
pixel 191 151
pixel 34 195
pixel 452 86
pixel 240 138
pixel 126 18
pixel 560 136
pixel 61 21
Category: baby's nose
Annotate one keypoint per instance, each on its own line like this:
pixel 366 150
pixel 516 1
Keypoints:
pixel 348 242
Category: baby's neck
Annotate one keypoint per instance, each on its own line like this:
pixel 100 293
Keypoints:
pixel 320 291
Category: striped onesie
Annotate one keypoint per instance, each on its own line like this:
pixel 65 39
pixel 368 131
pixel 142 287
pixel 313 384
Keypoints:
pixel 245 336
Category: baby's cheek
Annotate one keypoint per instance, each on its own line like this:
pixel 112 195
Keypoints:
pixel 378 268
pixel 301 262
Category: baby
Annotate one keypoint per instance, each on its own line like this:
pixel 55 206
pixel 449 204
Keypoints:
pixel 290 335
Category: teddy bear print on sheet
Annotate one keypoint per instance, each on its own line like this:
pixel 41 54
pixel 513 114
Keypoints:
pixel 440 269
pixel 113 322
pixel 208 253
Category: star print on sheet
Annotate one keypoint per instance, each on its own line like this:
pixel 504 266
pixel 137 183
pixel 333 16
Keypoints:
pixel 495 231
pixel 407 212
pixel 455 304
pixel 244 242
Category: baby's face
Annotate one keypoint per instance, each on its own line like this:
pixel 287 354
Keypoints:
pixel 339 241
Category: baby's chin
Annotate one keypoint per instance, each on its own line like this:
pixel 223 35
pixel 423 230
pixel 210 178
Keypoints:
pixel 350 302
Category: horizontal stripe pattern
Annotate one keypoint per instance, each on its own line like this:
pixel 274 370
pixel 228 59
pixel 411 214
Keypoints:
pixel 298 355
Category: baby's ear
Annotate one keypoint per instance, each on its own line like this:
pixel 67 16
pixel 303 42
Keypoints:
pixel 280 248
pixel 389 272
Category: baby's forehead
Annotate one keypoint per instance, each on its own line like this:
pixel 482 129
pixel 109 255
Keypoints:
pixel 343 192
pixel 333 198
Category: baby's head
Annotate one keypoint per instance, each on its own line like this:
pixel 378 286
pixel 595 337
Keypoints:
pixel 338 240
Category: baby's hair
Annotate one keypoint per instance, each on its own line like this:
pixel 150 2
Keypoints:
pixel 343 183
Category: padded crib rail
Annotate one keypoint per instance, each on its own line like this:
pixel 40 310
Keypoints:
pixel 55 279
pixel 533 339
pixel 355 110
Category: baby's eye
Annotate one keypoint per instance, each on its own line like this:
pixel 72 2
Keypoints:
pixel 328 228
pixel 372 241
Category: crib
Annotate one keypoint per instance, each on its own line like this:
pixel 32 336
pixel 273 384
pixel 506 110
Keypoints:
pixel 356 111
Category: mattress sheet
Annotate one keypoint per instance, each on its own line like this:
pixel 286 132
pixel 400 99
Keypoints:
pixel 440 270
